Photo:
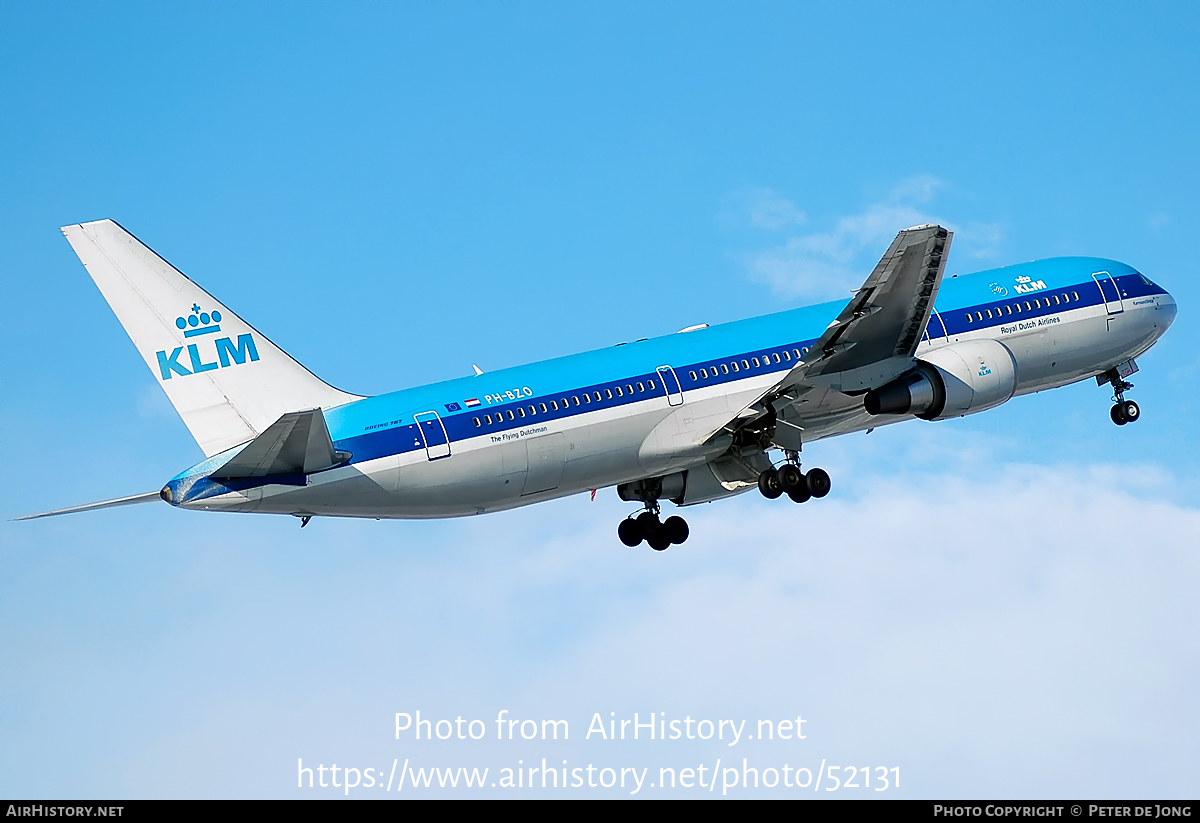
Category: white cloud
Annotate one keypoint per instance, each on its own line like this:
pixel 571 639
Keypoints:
pixel 828 264
pixel 991 629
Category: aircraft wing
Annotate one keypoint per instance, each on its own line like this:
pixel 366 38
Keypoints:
pixel 874 339
pixel 296 443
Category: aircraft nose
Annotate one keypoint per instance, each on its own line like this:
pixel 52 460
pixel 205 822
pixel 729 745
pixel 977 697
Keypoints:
pixel 1168 309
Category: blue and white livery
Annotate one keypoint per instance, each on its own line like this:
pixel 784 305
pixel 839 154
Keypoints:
pixel 691 417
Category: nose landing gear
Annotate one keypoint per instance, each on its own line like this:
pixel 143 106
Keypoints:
pixel 1123 411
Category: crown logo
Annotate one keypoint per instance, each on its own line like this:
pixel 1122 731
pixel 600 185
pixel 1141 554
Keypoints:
pixel 199 322
pixel 1024 279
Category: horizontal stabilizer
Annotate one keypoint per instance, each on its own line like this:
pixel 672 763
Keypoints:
pixel 107 504
pixel 297 443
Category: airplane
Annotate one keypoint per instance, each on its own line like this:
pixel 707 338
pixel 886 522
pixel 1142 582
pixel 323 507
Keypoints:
pixel 692 417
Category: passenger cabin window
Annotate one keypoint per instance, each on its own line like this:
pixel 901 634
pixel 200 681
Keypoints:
pixel 608 393
pixel 755 361
pixel 487 418
pixel 1008 309
pixel 597 396
pixel 735 365
pixel 724 369
pixel 745 364
pixel 543 405
pixel 641 386
pixel 1074 295
pixel 775 357
pixel 477 423
pixel 520 411
pixel 619 393
pixel 694 376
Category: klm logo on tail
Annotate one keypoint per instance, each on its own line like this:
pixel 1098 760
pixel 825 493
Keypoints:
pixel 198 324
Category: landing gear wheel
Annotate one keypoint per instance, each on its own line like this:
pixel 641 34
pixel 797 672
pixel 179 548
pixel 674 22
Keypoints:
pixel 769 485
pixel 1130 411
pixel 790 477
pixel 818 482
pixel 676 529
pixel 647 522
pixel 630 532
pixel 1117 415
pixel 658 539
pixel 800 494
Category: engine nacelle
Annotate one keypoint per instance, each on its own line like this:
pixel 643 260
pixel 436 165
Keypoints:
pixel 955 380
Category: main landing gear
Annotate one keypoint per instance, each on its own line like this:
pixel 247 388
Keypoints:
pixel 790 480
pixel 1123 411
pixel 647 526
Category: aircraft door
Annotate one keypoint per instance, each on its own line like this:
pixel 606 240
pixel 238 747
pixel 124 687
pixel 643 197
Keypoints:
pixel 1110 292
pixel 671 383
pixel 433 434
pixel 546 456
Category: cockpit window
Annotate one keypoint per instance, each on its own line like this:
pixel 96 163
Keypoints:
pixel 1145 279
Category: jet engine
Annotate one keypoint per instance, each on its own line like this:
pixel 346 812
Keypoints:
pixel 953 381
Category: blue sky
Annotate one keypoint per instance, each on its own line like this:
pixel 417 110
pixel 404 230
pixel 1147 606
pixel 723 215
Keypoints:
pixel 1001 605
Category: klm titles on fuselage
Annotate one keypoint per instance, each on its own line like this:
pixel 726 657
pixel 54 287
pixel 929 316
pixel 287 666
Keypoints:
pixel 1025 285
pixel 197 324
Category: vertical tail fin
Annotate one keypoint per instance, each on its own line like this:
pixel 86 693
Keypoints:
pixel 227 381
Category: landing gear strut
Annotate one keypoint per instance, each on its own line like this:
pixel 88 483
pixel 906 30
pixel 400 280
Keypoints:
pixel 647 525
pixel 1123 411
pixel 790 480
